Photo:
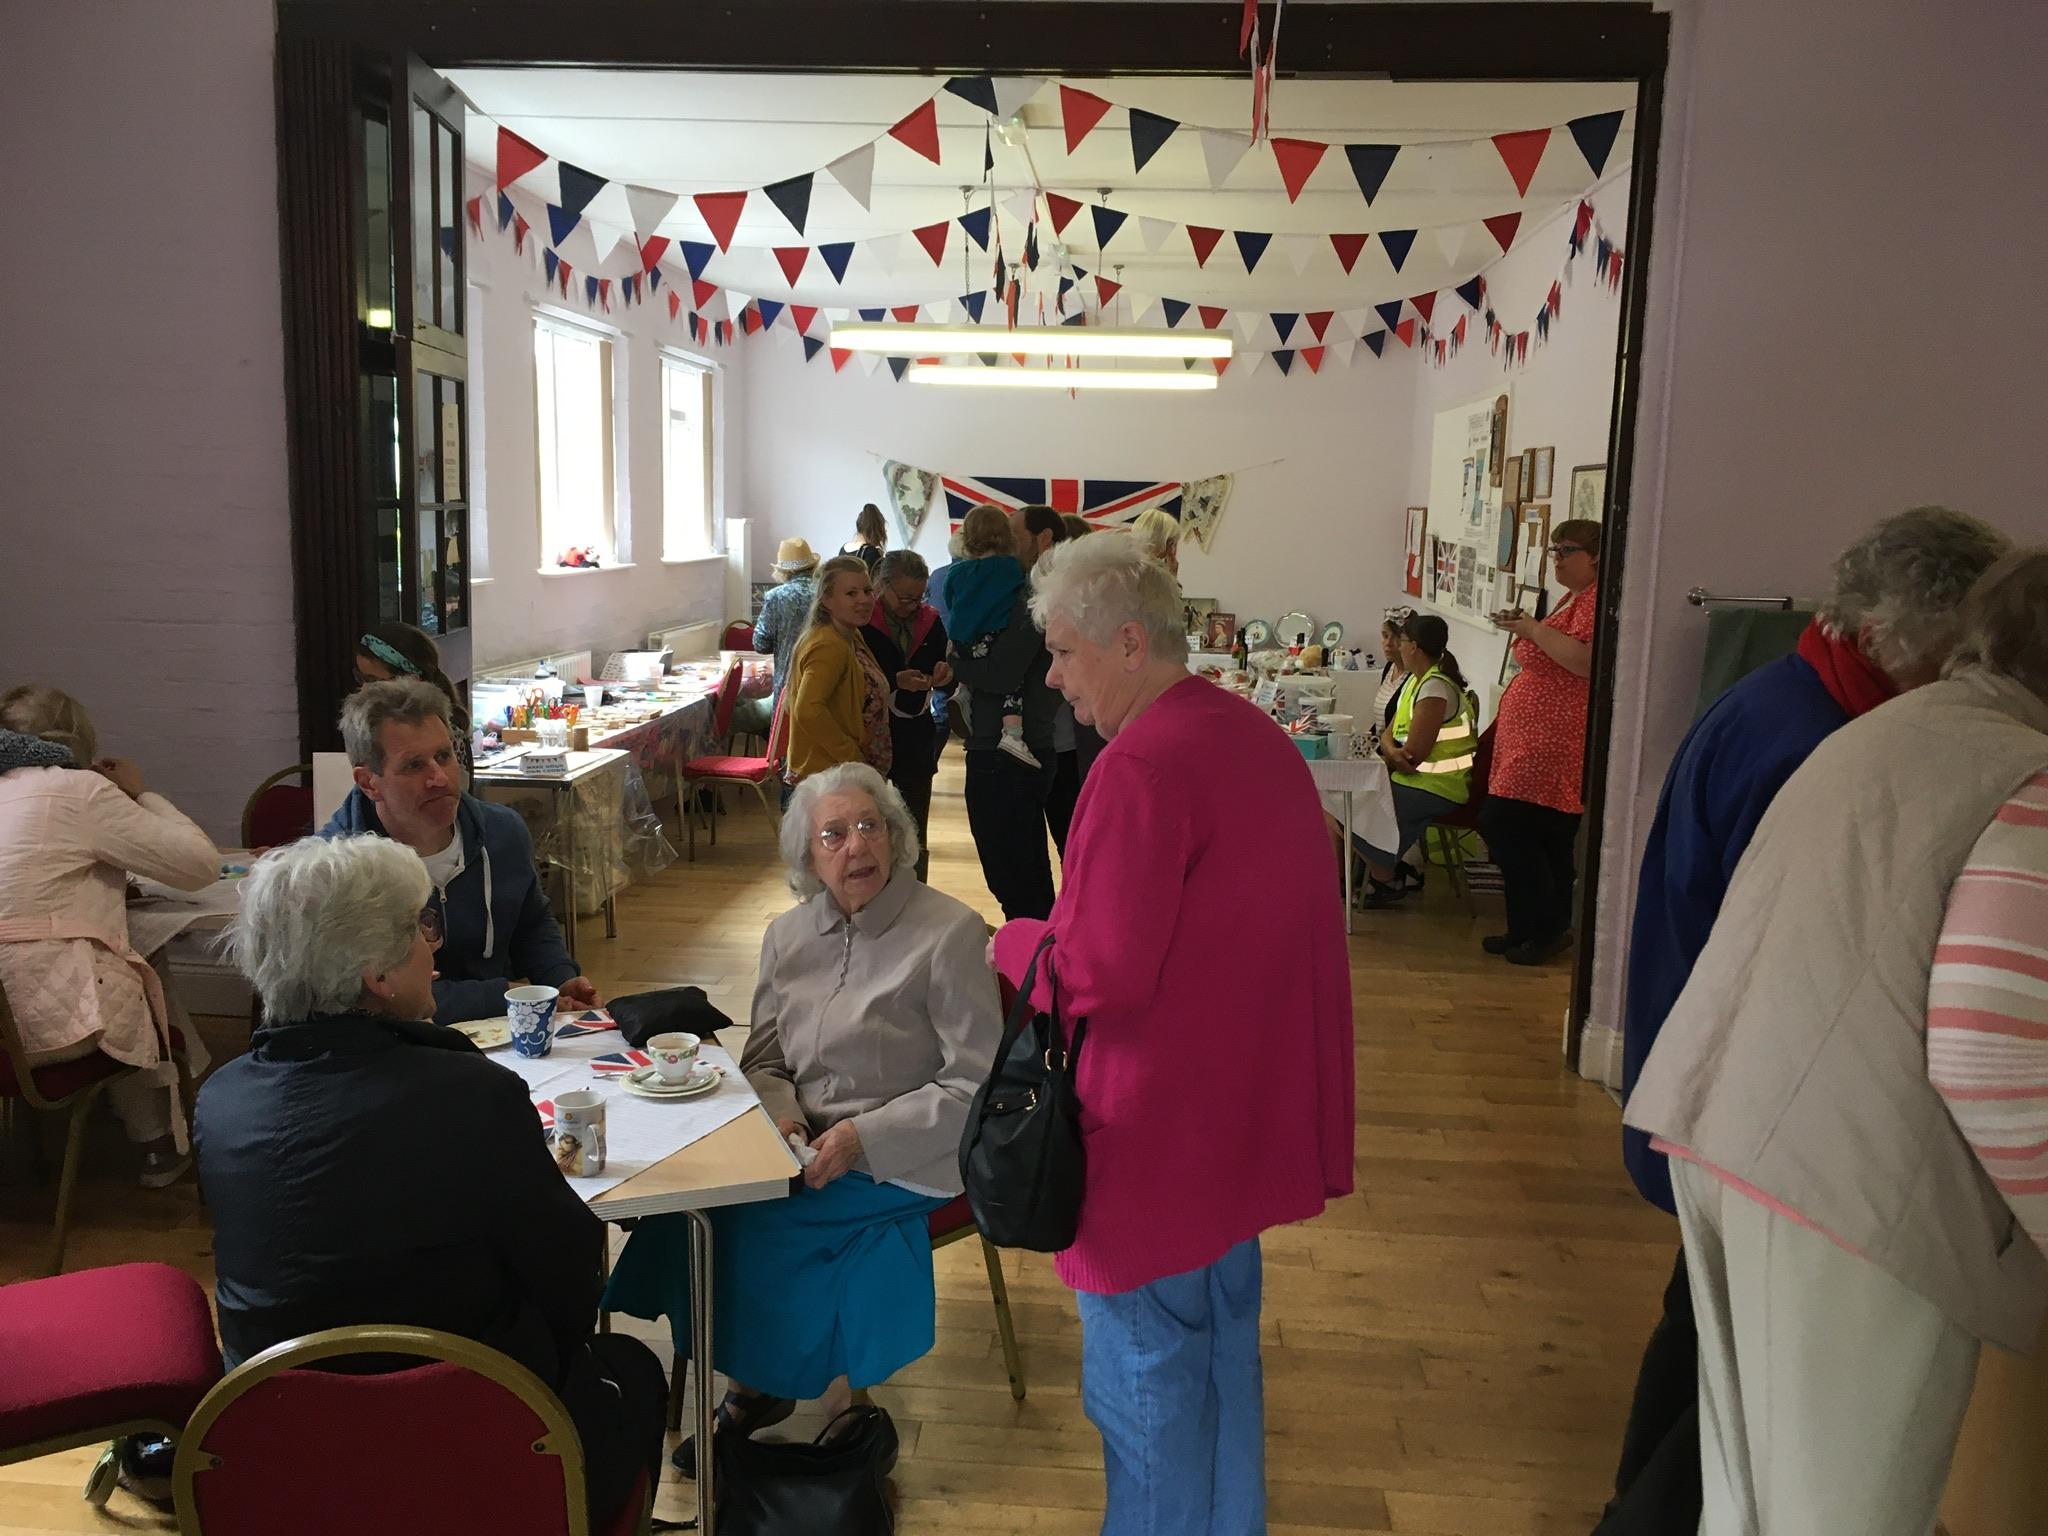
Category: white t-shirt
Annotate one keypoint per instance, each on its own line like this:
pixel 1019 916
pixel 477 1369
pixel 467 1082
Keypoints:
pixel 1440 688
pixel 443 867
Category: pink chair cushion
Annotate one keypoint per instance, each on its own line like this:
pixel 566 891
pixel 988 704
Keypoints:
pixel 950 1218
pixel 101 1347
pixel 756 770
pixel 60 1079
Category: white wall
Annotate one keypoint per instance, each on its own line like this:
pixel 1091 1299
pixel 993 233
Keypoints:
pixel 1564 398
pixel 1314 520
pixel 518 611
pixel 142 422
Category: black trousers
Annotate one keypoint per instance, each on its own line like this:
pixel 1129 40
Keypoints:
pixel 1657 1485
pixel 1006 812
pixel 1061 797
pixel 1534 847
pixel 620 1409
pixel 913 781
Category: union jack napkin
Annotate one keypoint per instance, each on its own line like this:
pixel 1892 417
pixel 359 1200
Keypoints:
pixel 592 1021
pixel 546 1109
pixel 620 1062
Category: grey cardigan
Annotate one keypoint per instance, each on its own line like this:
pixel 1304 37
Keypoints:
pixel 889 1019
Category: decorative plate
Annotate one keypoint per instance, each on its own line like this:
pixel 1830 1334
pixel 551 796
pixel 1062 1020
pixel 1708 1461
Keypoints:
pixel 647 1084
pixel 1257 633
pixel 486 1034
pixel 1290 625
pixel 1333 635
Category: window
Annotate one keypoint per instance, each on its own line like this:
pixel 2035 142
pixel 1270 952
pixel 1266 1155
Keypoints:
pixel 686 532
pixel 479 517
pixel 572 372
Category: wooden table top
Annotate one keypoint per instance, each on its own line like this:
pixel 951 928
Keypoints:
pixel 742 1161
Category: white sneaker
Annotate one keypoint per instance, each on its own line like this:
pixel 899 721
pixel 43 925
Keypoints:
pixel 164 1168
pixel 1014 745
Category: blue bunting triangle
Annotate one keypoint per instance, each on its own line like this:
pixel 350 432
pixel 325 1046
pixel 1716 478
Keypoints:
pixel 551 261
pixel 976 225
pixel 988 359
pixel 974 303
pixel 1369 166
pixel 1148 132
pixel 1389 312
pixel 1471 291
pixel 1173 309
pixel 697 255
pixel 505 212
pixel 1251 246
pixel 590 290
pixel 1377 341
pixel 1282 324
pixel 837 255
pixel 1285 359
pixel 793 197
pixel 1543 323
pixel 1595 137
pixel 579 187
pixel 1396 243
pixel 897 365
pixel 1080 317
pixel 1107 222
pixel 770 309
pixel 560 222
pixel 979 89
pixel 1059 299
pixel 873 316
pixel 812 347
pixel 654 279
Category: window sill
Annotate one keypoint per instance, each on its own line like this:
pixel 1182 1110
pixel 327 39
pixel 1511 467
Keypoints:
pixel 710 559
pixel 559 570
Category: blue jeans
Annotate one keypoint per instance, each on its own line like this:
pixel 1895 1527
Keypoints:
pixel 1170 1376
pixel 1414 810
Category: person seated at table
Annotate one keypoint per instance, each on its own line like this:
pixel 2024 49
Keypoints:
pixel 479 856
pixel 386 652
pixel 1428 750
pixel 363 1165
pixel 73 827
pixel 875 1019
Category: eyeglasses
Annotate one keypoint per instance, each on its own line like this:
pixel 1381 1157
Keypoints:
pixel 832 837
pixel 431 928
pixel 1559 551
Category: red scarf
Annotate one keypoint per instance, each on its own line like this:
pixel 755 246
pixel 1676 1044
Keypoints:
pixel 1851 678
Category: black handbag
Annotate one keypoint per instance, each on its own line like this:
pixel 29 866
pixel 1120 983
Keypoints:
pixel 683 1010
pixel 1020 1156
pixel 832 1486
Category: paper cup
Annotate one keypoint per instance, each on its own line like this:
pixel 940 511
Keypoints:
pixel 531 1011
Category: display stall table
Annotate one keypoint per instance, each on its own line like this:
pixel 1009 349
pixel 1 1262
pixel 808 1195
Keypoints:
pixel 583 832
pixel 1358 792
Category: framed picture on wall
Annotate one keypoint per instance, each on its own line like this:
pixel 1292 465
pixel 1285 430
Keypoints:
pixel 1589 491
pixel 1415 543
pixel 1511 482
pixel 1220 631
pixel 1541 462
pixel 1535 534
pixel 1499 438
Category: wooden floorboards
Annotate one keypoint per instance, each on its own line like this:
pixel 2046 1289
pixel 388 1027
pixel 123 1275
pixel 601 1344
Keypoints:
pixel 1447 1351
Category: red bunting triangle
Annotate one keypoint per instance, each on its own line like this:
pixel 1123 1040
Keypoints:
pixel 1204 241
pixel 650 251
pixel 933 238
pixel 675 302
pixel 839 357
pixel 1298 159
pixel 1520 152
pixel 1424 303
pixel 750 319
pixel 1079 112
pixel 562 276
pixel 1319 321
pixel 1502 227
pixel 907 313
pixel 1213 315
pixel 1106 289
pixel 721 210
pixel 702 292
pixel 920 130
pixel 1348 247
pixel 1017 358
pixel 476 212
pixel 801 316
pixel 1458 331
pixel 1221 364
pixel 515 157
pixel 1063 210
pixel 604 292
pixel 1405 332
pixel 791 259
pixel 1313 356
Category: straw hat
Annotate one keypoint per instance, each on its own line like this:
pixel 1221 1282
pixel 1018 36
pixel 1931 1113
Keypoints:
pixel 795 555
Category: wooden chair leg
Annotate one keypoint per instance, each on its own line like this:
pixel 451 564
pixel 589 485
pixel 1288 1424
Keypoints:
pixel 67 1181
pixel 1006 1330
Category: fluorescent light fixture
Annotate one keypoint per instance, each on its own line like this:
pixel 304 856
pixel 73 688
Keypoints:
pixel 1037 340
pixel 976 377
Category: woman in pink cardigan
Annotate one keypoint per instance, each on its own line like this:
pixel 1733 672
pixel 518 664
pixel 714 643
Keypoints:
pixel 73 827
pixel 1197 934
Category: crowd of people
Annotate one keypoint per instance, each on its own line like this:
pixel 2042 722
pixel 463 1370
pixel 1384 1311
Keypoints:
pixel 1835 1012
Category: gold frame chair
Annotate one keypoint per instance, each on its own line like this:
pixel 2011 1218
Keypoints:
pixel 427 1344
pixel 301 771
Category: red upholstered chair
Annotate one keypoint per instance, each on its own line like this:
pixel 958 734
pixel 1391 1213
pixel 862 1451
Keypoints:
pixel 738 636
pixel 716 769
pixel 466 1441
pixel 948 1224
pixel 1450 829
pixel 280 812
pixel 98 1355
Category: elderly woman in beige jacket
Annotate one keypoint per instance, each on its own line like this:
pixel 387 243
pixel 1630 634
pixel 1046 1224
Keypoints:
pixel 875 1021
pixel 1853 1090
pixel 73 828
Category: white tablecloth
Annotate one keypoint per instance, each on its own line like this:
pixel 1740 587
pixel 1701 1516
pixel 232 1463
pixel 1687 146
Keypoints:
pixel 163 913
pixel 1365 780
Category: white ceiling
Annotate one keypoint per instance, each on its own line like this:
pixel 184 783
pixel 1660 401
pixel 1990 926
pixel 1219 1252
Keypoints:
pixel 690 133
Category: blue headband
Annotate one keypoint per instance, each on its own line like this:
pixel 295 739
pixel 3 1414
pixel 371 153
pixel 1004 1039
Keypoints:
pixel 388 654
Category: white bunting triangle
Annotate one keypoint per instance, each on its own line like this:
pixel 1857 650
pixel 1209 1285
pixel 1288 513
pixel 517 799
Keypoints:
pixel 1020 206
pixel 855 171
pixel 940 311
pixel 1450 239
pixel 580 249
pixel 623 259
pixel 869 361
pixel 1247 322
pixel 1221 150
pixel 1152 232
pixel 1341 350
pixel 883 250
pixel 648 206
pixel 1353 320
pixel 1011 94
pixel 1299 250
pixel 1250 361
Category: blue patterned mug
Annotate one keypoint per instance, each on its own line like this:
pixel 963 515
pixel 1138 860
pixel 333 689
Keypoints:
pixel 531 1011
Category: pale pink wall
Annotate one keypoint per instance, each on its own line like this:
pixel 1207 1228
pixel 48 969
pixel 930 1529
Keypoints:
pixel 141 378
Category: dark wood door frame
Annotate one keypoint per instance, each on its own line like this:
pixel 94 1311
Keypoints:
pixel 1447 41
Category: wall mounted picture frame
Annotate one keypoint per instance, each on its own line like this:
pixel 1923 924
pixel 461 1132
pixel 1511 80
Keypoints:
pixel 1542 462
pixel 1415 544
pixel 1499 440
pixel 1511 482
pixel 1534 537
pixel 1589 492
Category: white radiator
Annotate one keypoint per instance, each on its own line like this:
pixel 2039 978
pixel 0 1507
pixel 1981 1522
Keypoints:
pixel 687 642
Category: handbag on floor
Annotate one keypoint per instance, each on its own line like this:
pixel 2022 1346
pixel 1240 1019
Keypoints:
pixel 1020 1156
pixel 832 1486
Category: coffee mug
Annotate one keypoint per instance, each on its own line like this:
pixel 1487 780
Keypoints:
pixel 675 1056
pixel 578 1136
pixel 531 1012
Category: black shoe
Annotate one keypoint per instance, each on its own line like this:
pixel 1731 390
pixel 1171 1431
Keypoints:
pixel 1381 893
pixel 737 1415
pixel 145 1468
pixel 1411 877
pixel 1497 943
pixel 1536 951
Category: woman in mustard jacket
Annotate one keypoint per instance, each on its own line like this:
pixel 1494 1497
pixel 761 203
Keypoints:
pixel 838 699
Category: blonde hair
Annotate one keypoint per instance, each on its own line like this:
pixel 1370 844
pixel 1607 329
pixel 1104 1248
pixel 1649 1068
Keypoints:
pixel 52 715
pixel 838 565
pixel 1155 532
pixel 986 530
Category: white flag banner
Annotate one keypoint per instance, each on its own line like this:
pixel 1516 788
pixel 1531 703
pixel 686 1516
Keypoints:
pixel 1450 239
pixel 1341 351
pixel 1221 150
pixel 1201 507
pixel 869 362
pixel 1250 361
pixel 884 251
pixel 580 249
pixel 1012 93
pixel 1299 250
pixel 1152 232
pixel 648 206
pixel 910 496
pixel 855 171
pixel 1020 206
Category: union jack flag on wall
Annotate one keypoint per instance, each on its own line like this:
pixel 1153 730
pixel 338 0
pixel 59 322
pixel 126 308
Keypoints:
pixel 1106 503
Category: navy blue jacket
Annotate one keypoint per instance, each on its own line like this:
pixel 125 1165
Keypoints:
pixel 1729 768
pixel 496 922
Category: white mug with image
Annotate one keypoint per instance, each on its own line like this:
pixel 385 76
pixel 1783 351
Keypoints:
pixel 578 1136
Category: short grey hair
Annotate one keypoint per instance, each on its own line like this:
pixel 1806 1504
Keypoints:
pixel 1155 532
pixel 364 714
pixel 1100 585
pixel 1904 582
pixel 899 563
pixel 317 913
pixel 798 835
pixel 2004 622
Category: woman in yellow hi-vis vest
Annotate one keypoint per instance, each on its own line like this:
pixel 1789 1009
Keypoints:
pixel 1428 751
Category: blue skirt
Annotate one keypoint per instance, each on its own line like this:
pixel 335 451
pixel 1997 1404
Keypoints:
pixel 830 1282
